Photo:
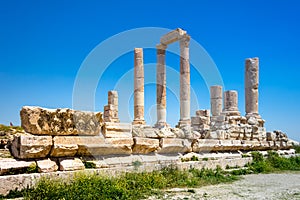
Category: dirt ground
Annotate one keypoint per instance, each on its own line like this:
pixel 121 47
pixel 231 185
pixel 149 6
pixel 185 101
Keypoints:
pixel 261 186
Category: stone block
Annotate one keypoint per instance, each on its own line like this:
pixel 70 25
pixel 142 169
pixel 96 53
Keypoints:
pixel 43 121
pixel 31 146
pixel 46 165
pixel 174 145
pixel 145 145
pixel 64 146
pixel 203 113
pixel 205 145
pixel 70 164
pixel 117 130
pixel 10 165
pixel 145 131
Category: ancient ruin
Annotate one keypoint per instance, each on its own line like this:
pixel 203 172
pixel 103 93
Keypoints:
pixel 55 138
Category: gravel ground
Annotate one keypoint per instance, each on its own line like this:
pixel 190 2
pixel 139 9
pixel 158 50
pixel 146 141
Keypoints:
pixel 261 186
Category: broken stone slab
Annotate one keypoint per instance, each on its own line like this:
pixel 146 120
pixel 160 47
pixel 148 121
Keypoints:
pixel 174 145
pixel 64 146
pixel 26 146
pixel 62 121
pixel 70 164
pixel 117 130
pixel 145 145
pixel 13 166
pixel 46 165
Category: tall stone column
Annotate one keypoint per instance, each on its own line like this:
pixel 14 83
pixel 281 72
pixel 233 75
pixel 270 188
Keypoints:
pixel 251 86
pixel 184 81
pixel 138 87
pixel 231 103
pixel 216 100
pixel 161 86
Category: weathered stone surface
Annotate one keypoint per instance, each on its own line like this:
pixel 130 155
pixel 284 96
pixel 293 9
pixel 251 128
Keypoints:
pixel 111 110
pixel 117 130
pixel 145 131
pixel 64 146
pixel 138 87
pixel 174 145
pixel 251 85
pixel 70 164
pixel 205 145
pixel 109 146
pixel 31 146
pixel 145 145
pixel 216 100
pixel 43 121
pixel 10 165
pixel 46 165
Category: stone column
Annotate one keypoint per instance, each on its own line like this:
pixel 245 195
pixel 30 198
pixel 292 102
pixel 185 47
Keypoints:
pixel 231 103
pixel 111 109
pixel 161 86
pixel 184 81
pixel 216 100
pixel 138 87
pixel 251 86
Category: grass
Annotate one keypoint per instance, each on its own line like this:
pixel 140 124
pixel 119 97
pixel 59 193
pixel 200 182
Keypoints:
pixel 127 186
pixel 141 185
pixel 9 128
pixel 272 163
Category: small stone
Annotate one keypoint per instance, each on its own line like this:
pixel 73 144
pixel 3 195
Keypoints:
pixel 70 164
pixel 46 165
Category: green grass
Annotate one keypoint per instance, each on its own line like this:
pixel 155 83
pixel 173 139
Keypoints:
pixel 127 186
pixel 9 128
pixel 141 185
pixel 297 148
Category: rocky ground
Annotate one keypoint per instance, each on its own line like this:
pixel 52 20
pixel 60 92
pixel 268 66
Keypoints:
pixel 254 186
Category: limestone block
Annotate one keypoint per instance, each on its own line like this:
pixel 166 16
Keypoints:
pixel 200 120
pixel 236 144
pixel 70 164
pixel 203 113
pixel 46 165
pixel 108 146
pixel 166 133
pixel 220 118
pixel 31 146
pixel 145 145
pixel 178 132
pixel 64 146
pixel 117 130
pixel 43 121
pixel 172 36
pixel 10 165
pixel 121 145
pixel 226 145
pixel 145 131
pixel 205 145
pixel 174 145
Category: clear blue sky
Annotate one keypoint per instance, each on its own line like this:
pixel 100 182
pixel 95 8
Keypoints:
pixel 43 44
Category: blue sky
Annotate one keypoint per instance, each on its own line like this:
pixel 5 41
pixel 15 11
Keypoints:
pixel 44 43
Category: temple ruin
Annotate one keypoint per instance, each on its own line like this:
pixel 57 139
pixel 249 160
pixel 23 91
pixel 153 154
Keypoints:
pixel 56 136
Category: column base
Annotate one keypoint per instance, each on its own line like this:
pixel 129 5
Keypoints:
pixel 161 125
pixel 231 113
pixel 184 122
pixel 256 115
